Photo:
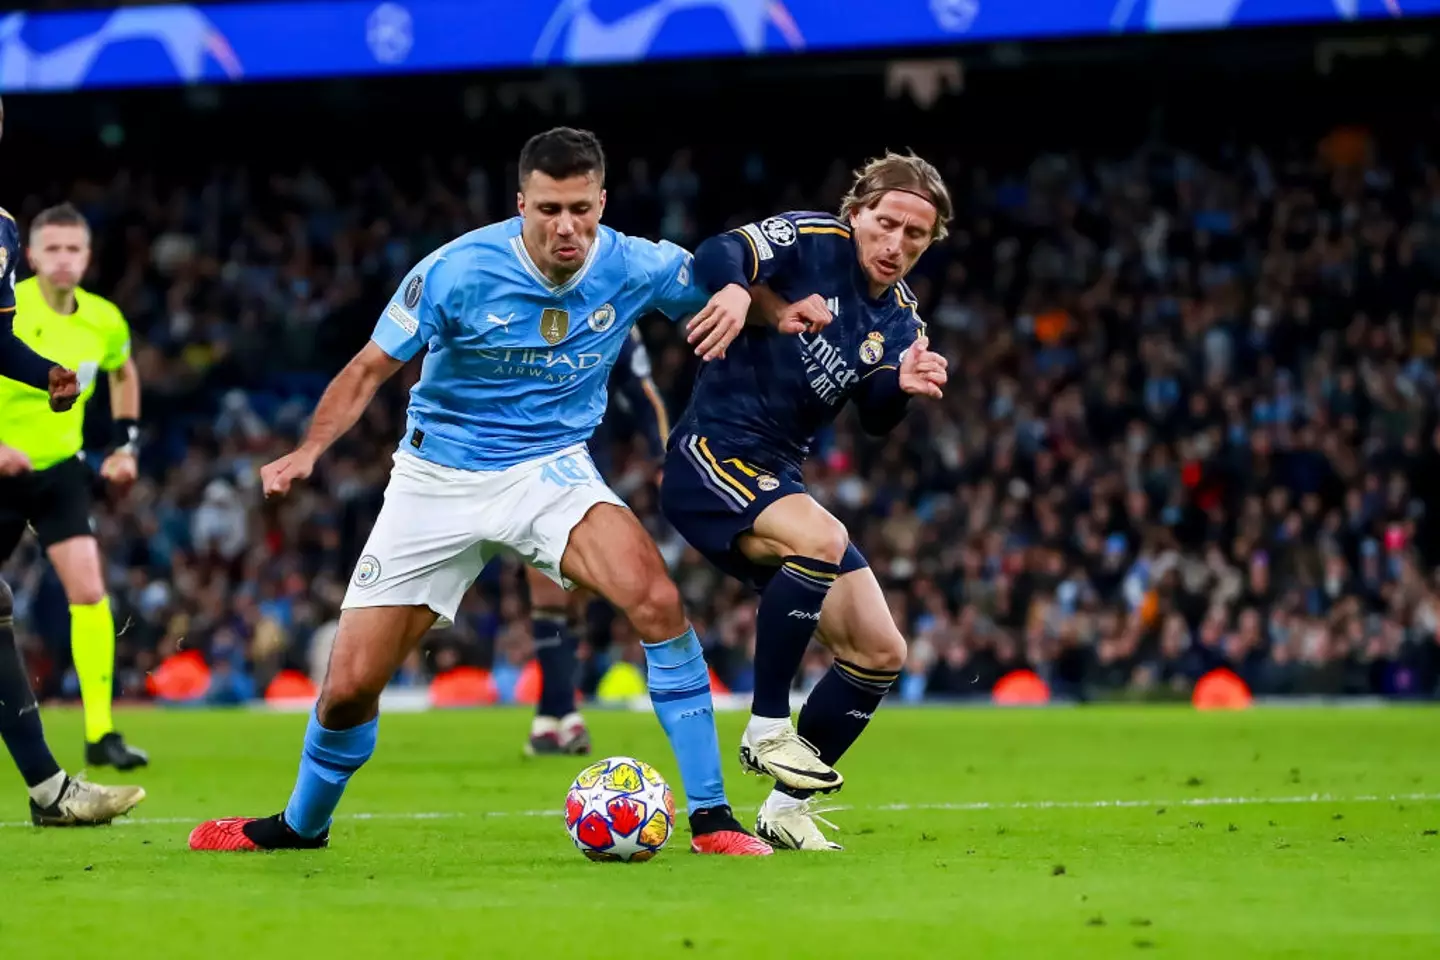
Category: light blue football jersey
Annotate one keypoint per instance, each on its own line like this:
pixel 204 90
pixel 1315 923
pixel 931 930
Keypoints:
pixel 517 366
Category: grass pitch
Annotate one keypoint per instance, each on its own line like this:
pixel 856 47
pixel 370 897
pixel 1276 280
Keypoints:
pixel 1144 832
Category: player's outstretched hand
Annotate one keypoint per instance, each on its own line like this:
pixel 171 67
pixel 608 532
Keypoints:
pixel 923 373
pixel 805 316
pixel 719 322
pixel 13 462
pixel 276 477
pixel 64 389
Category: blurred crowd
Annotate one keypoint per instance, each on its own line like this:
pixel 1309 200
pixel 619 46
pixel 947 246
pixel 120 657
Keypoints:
pixel 1191 419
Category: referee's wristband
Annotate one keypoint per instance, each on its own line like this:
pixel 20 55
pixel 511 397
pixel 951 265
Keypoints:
pixel 127 436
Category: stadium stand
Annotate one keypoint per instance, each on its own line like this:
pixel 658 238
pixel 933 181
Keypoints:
pixel 1191 424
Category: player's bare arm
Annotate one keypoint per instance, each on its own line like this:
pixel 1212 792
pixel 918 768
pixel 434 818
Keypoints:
pixel 122 466
pixel 340 406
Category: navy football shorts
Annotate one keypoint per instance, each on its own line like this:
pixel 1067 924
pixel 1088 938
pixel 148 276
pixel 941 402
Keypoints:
pixel 711 497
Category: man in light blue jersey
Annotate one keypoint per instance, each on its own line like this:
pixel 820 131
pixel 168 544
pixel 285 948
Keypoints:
pixel 523 321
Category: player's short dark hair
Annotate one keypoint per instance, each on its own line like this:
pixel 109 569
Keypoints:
pixel 60 215
pixel 562 153
pixel 905 172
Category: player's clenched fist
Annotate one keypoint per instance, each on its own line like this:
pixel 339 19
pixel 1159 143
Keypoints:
pixel 276 477
pixel 805 316
pixel 923 373
pixel 64 389
pixel 719 322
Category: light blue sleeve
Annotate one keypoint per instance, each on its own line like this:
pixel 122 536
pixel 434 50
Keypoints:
pixel 416 313
pixel 669 273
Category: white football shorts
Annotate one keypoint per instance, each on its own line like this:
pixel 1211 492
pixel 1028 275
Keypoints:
pixel 440 526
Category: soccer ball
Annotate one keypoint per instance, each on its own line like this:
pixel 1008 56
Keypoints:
pixel 620 809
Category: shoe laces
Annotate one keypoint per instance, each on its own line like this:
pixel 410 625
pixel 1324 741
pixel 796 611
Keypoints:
pixel 812 811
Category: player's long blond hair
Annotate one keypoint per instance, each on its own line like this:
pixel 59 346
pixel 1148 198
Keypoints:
pixel 900 171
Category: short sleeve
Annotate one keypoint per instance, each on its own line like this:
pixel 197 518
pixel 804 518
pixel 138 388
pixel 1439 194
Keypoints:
pixel 117 340
pixel 415 313
pixel 669 273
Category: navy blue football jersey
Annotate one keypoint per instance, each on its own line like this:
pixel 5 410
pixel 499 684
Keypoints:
pixel 772 392
pixel 17 360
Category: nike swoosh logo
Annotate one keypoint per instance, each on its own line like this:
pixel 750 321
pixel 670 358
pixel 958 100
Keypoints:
pixel 813 775
pixel 498 321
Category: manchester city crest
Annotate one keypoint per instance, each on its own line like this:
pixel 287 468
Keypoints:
pixel 872 349
pixel 602 319
pixel 367 571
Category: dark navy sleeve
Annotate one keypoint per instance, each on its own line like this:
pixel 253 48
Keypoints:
pixel 879 400
pixel 17 360
pixel 633 380
pixel 750 254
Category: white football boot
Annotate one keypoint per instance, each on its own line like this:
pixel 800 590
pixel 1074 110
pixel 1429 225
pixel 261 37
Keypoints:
pixel 784 757
pixel 788 823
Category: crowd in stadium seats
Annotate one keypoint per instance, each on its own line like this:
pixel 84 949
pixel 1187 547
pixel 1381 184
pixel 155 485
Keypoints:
pixel 1191 421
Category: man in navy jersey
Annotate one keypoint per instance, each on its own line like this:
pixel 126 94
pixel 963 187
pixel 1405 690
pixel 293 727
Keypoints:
pixel 733 486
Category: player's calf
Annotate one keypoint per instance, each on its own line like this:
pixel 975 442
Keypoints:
pixel 809 544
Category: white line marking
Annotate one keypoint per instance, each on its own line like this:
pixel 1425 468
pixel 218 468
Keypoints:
pixel 971 807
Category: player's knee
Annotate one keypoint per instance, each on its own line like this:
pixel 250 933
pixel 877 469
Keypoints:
pixel 825 541
pixel 886 652
pixel 657 613
pixel 7 601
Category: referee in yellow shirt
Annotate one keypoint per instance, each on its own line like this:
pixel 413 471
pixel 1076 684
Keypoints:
pixel 44 482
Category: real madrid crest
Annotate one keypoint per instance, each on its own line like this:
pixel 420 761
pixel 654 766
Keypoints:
pixel 602 319
pixel 767 483
pixel 873 348
pixel 554 324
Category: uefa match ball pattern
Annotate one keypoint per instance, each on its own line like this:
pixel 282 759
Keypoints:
pixel 620 809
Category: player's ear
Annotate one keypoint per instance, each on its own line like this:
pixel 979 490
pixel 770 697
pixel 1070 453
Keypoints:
pixel 602 200
pixel 520 202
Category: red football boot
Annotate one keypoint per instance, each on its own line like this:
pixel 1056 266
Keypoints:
pixel 250 834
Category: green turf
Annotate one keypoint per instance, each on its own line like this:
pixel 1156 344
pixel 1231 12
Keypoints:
pixel 1353 873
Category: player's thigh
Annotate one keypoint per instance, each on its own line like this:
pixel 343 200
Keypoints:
pixel 610 553
pixel 370 644
pixel 795 526
pixel 856 625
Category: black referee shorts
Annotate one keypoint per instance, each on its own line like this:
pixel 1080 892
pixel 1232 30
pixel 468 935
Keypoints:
pixel 55 501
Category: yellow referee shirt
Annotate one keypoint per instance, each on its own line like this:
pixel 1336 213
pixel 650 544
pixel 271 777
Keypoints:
pixel 95 336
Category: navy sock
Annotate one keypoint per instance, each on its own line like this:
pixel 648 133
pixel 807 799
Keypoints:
pixel 555 647
pixel 840 707
pixel 329 759
pixel 679 684
pixel 789 613
pixel 20 726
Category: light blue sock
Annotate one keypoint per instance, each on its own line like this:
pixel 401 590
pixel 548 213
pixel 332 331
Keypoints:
pixel 680 691
pixel 329 759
